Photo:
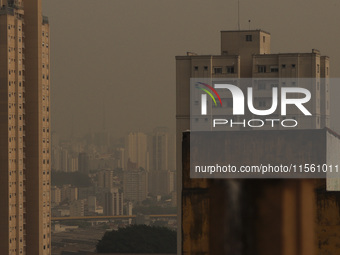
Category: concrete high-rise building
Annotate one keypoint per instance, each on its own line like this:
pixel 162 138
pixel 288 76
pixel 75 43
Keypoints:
pixel 160 150
pixel 25 129
pixel 114 202
pixel 92 204
pixel 77 208
pixel 246 54
pixel 137 150
pixel 55 195
pixel 72 163
pixel 120 156
pixel 105 179
pixel 70 193
pixel 135 185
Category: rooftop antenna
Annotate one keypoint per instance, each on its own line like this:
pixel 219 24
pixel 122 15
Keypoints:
pixel 238 14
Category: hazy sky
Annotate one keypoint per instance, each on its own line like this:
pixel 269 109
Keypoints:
pixel 122 52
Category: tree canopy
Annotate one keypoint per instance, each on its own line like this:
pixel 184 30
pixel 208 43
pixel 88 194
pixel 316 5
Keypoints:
pixel 138 239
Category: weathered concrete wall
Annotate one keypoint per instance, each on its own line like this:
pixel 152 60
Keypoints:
pixel 260 217
pixel 327 221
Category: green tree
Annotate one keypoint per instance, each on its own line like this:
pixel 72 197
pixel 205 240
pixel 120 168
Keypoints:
pixel 138 239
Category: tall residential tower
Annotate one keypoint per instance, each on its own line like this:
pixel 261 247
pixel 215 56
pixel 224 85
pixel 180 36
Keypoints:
pixel 246 54
pixel 24 129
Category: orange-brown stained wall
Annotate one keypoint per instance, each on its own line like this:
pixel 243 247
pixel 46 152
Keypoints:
pixel 278 216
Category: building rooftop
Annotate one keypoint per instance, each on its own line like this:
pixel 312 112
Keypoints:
pixel 243 31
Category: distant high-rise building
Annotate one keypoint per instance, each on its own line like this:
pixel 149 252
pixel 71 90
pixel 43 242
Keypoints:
pixel 113 204
pixel 137 150
pixel 135 185
pixel 92 204
pixel 120 156
pixel 69 193
pixel 128 210
pixel 105 179
pixel 55 195
pixel 172 152
pixel 77 208
pixel 25 129
pixel 160 150
pixel 72 163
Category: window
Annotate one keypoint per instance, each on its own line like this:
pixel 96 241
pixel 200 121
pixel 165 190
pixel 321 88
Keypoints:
pixel 205 68
pixel 261 69
pixel 293 65
pixel 196 68
pixel 274 69
pixel 249 38
pixel 283 66
pixel 264 39
pixel 217 70
pixel 230 69
pixel 318 68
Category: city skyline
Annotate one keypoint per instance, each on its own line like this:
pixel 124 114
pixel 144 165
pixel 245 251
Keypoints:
pixel 100 101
